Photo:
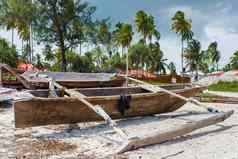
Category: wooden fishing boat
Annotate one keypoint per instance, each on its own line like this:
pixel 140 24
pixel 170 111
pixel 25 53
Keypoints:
pixel 37 80
pixel 139 101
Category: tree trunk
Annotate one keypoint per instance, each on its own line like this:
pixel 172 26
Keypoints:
pixel 31 45
pixel 12 37
pixel 196 76
pixel 22 46
pixel 63 62
pixel 145 39
pixel 80 48
pixel 127 67
pixel 182 55
pixel 63 56
pixel 28 50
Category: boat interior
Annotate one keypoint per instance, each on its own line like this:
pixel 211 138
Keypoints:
pixel 107 91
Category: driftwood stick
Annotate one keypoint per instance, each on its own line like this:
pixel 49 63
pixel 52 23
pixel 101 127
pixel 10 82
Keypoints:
pixel 96 108
pixel 155 89
pixel 179 131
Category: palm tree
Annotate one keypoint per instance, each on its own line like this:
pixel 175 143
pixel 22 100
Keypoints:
pixel 7 18
pixel 233 64
pixel 104 35
pixel 214 53
pixel 193 56
pixel 8 54
pixel 152 29
pixel 141 21
pixel 172 68
pixel 97 56
pixel 18 14
pixel 204 63
pixel 79 29
pixel 116 36
pixel 182 26
pixel 155 59
pixel 138 55
pixel 124 37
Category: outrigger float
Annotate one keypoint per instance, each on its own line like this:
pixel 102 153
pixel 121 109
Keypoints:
pixel 65 106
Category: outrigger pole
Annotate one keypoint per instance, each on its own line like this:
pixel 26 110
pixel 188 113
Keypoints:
pixel 96 108
pixel 159 137
pixel 156 89
pixel 135 143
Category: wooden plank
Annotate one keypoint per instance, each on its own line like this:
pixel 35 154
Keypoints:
pixel 169 135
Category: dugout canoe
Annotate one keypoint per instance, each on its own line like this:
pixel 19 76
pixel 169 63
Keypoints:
pixel 38 80
pixel 41 110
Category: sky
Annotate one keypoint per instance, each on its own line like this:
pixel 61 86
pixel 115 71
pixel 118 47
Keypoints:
pixel 212 20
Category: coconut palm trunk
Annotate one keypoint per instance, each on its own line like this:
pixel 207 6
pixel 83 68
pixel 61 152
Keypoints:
pixel 196 76
pixel 182 55
pixel 30 47
pixel 80 48
pixel 12 37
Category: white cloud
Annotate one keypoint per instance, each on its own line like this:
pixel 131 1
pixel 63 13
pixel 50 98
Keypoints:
pixel 223 7
pixel 219 4
pixel 210 23
pixel 171 11
pixel 226 37
pixel 17 41
pixel 171 48
pixel 216 25
pixel 8 36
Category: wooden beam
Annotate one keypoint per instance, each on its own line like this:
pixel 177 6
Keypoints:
pixel 176 132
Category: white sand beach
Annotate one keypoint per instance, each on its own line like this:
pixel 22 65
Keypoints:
pixel 96 140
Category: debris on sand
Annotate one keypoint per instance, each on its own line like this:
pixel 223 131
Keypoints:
pixel 53 146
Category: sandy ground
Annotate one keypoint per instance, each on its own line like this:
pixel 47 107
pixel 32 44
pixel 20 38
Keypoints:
pixel 97 140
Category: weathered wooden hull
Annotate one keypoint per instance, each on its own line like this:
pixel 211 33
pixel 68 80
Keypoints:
pixel 73 80
pixel 45 111
pixel 66 79
pixel 79 84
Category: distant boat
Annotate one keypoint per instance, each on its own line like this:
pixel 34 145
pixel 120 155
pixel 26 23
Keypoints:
pixel 38 80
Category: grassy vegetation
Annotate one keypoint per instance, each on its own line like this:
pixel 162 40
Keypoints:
pixel 224 86
pixel 8 77
pixel 206 96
